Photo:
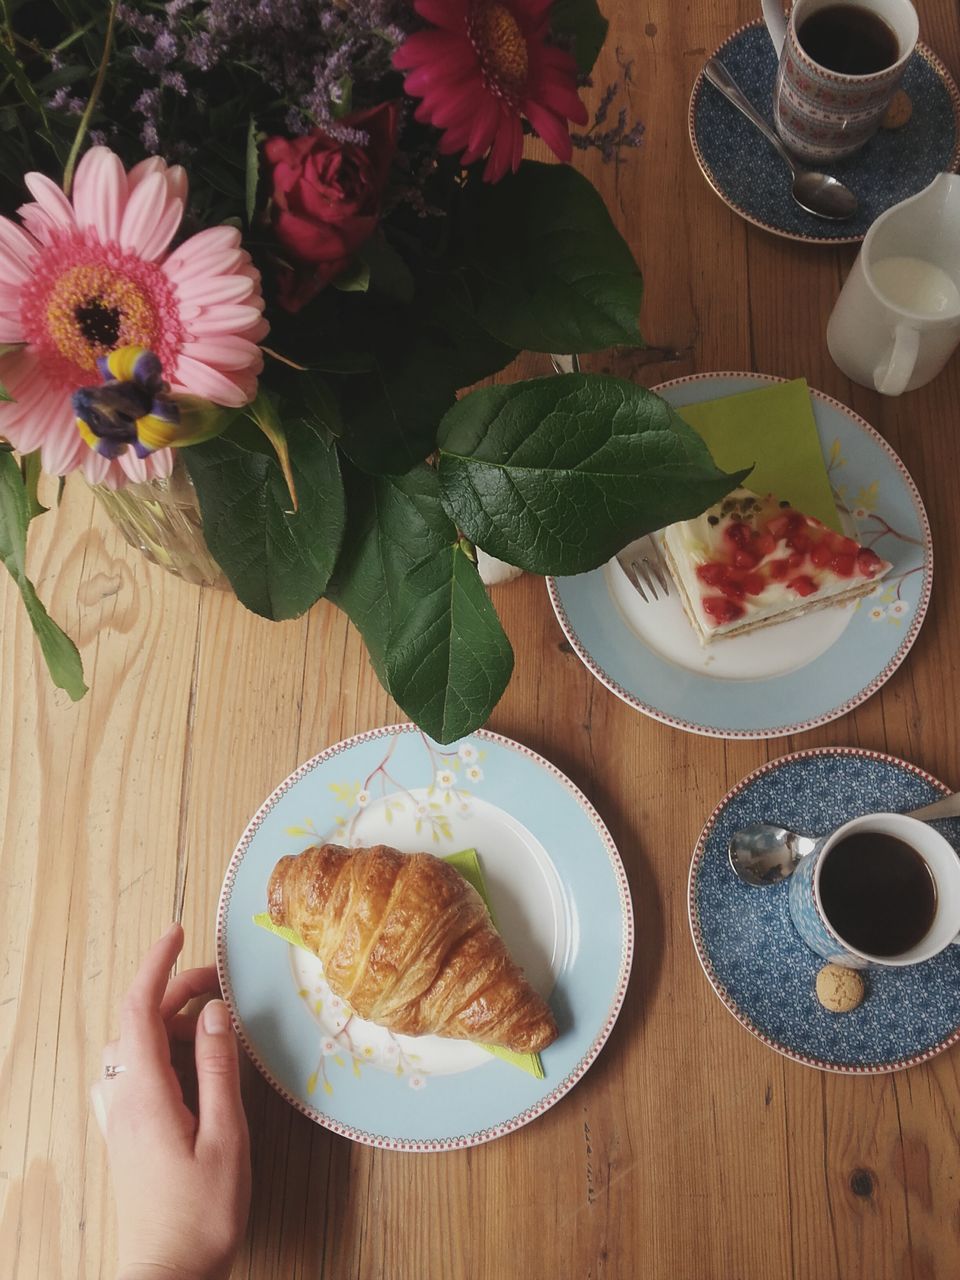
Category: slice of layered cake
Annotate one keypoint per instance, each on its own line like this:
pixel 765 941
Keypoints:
pixel 751 561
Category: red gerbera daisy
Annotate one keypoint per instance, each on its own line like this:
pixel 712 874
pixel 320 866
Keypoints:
pixel 485 65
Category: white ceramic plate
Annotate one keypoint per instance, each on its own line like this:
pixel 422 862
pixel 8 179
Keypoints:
pixel 558 893
pixel 781 679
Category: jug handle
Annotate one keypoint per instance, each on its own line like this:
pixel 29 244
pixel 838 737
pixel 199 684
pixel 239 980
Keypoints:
pixel 776 21
pixel 891 376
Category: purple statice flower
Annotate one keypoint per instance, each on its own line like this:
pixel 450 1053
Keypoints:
pixel 609 94
pixel 63 100
pixel 138 19
pixel 611 141
pixel 148 106
pixel 310 55
pixel 176 81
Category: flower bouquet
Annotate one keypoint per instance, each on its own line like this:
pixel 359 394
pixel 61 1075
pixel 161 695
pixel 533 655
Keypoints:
pixel 275 240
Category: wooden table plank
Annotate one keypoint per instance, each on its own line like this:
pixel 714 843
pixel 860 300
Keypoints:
pixel 690 1151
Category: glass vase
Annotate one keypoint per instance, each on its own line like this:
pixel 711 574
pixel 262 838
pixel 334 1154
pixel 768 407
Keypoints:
pixel 161 518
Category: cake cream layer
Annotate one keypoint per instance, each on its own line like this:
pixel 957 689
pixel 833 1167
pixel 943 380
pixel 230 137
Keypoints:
pixel 750 561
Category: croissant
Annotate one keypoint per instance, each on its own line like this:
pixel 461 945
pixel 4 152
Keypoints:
pixel 409 944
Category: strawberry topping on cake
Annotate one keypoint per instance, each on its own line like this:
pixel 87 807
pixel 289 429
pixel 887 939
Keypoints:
pixel 750 561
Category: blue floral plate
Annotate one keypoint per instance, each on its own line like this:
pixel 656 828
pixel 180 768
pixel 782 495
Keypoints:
pixel 549 864
pixel 776 680
pixel 752 954
pixel 748 175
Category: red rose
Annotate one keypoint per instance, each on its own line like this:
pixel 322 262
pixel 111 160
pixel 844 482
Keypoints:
pixel 326 199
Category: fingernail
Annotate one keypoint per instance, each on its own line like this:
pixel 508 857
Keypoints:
pixel 216 1018
pixel 171 928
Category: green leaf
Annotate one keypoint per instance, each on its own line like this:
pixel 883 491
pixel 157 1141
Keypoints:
pixel 344 104
pixel 318 406
pixel 278 561
pixel 59 651
pixel 252 169
pixel 448 660
pixel 25 88
pixel 356 278
pixel 550 270
pixel 433 637
pixel 583 23
pixel 556 475
pixel 393 523
pixel 30 470
pixel 389 274
pixel 421 358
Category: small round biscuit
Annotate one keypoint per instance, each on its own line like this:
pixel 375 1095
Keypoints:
pixel 839 989
pixel 898 112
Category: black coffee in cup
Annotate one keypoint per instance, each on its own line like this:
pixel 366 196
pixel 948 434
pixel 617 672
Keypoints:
pixel 849 39
pixel 878 893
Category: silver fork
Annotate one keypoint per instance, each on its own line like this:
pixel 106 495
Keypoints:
pixel 646 571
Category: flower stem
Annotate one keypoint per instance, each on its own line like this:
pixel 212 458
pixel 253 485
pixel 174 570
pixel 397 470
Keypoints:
pixel 8 36
pixel 91 101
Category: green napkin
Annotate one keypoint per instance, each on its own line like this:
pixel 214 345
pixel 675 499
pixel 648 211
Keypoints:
pixel 468 864
pixel 774 430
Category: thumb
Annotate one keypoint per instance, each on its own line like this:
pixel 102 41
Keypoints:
pixel 218 1078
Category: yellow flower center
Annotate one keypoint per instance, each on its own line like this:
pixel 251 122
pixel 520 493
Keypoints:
pixel 91 310
pixel 502 48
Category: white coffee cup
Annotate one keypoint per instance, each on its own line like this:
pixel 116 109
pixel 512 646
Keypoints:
pixel 897 320
pixel 814 926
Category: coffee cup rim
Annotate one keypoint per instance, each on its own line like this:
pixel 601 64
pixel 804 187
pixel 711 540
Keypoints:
pixel 918 953
pixel 846 77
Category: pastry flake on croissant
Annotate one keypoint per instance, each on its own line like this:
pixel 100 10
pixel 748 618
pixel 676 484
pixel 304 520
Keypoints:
pixel 409 944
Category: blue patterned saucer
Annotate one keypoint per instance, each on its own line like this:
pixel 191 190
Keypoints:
pixel 894 164
pixel 752 954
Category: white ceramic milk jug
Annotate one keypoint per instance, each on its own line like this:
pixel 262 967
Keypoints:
pixel 897 319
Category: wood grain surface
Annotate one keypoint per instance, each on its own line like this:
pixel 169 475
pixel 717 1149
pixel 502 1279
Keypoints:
pixel 689 1151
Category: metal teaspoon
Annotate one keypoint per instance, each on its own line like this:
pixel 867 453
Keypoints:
pixel 818 193
pixel 764 854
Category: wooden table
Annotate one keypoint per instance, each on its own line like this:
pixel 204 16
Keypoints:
pixel 690 1151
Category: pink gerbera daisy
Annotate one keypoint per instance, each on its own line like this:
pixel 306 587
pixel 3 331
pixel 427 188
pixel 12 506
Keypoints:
pixel 485 65
pixel 83 277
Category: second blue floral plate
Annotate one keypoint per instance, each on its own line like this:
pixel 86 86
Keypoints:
pixel 754 957
pixel 776 680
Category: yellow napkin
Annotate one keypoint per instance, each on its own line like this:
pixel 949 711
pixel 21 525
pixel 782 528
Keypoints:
pixel 773 430
pixel 468 864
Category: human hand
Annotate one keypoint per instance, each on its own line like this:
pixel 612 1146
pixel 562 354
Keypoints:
pixel 181 1178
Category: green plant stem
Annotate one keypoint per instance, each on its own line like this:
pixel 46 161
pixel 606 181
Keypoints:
pixel 91 101
pixel 8 36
